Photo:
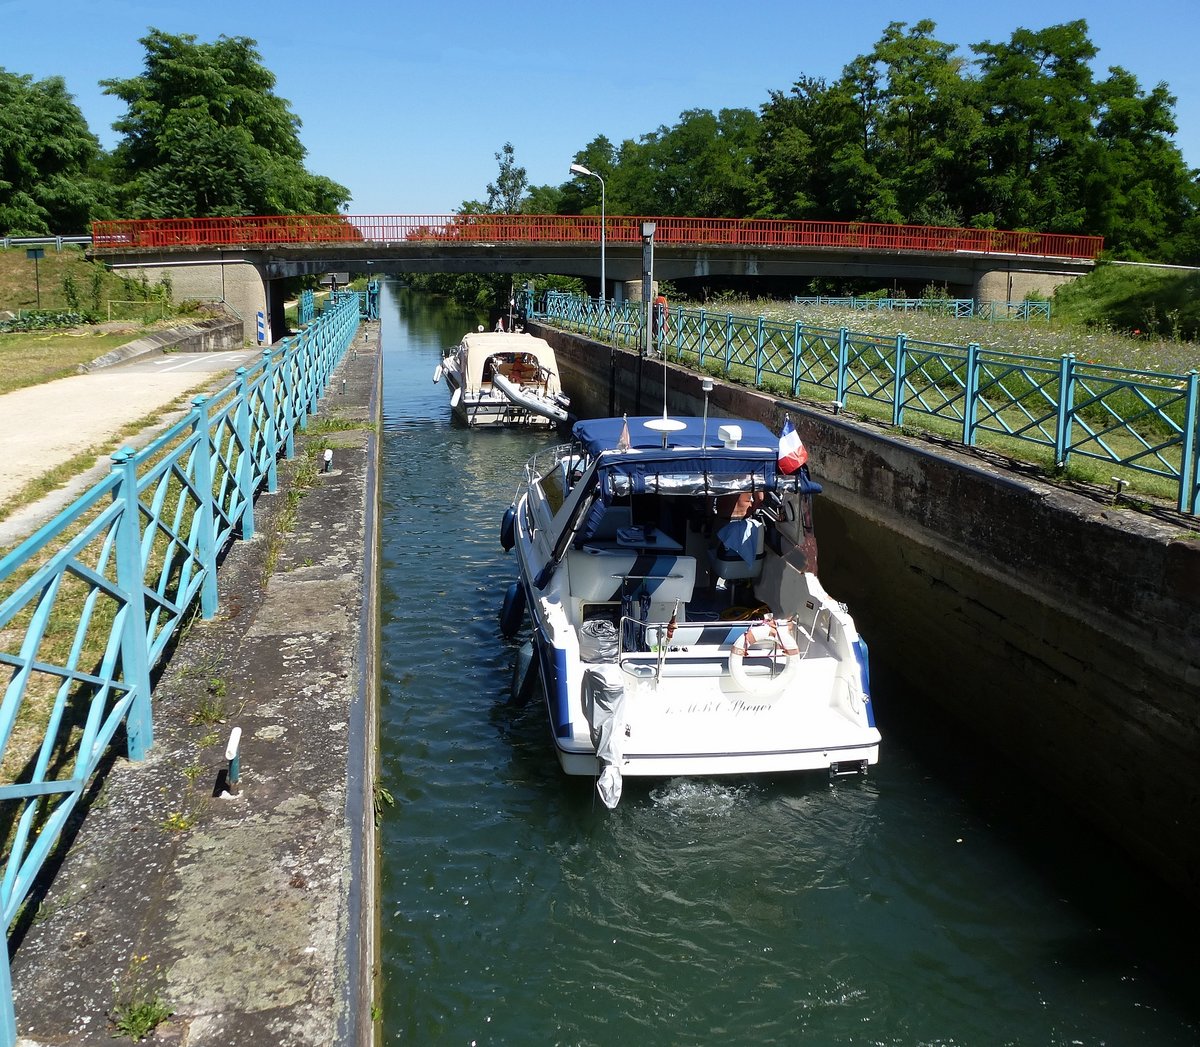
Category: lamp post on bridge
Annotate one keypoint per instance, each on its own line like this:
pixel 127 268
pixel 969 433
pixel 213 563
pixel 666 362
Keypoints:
pixel 579 169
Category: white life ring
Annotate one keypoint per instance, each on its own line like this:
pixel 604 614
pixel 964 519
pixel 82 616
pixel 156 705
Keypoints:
pixel 778 634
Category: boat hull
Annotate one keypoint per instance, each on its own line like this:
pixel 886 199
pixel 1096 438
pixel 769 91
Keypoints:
pixel 694 644
pixel 680 721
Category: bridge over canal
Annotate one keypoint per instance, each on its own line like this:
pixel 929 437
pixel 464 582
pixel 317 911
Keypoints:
pixel 240 260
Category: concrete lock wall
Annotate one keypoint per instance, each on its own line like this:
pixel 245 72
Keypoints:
pixel 1062 632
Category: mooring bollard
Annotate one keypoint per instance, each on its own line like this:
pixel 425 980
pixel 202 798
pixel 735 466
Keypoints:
pixel 234 756
pixel 343 386
pixel 328 459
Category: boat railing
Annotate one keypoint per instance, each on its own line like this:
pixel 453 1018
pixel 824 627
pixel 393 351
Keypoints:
pixel 703 647
pixel 546 460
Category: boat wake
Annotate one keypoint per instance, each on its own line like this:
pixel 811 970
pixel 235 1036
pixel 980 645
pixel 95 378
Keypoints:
pixel 699 796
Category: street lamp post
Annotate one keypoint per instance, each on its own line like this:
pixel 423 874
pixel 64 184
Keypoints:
pixel 579 169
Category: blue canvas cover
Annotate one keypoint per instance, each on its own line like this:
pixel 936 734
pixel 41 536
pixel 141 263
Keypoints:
pixel 694 460
pixel 603 434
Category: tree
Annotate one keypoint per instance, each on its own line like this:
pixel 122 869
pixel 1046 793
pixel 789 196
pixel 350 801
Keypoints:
pixel 205 134
pixel 700 167
pixel 543 199
pixel 788 161
pixel 507 191
pixel 1038 99
pixel 581 195
pixel 50 177
pixel 925 125
pixel 1139 192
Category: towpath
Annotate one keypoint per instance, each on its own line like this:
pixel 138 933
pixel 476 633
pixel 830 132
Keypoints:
pixel 46 426
pixel 251 918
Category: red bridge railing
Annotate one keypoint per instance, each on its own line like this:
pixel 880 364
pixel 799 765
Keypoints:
pixel 512 229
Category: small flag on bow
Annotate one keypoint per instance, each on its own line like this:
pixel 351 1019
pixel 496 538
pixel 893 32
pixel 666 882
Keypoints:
pixel 623 439
pixel 792 454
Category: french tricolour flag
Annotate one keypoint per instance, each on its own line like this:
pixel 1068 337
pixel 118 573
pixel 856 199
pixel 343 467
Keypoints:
pixel 792 454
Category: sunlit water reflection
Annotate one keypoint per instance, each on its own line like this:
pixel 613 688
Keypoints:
pixel 517 910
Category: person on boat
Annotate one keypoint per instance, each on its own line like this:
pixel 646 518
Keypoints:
pixel 500 325
pixel 524 369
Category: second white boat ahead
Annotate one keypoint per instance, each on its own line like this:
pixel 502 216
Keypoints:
pixel 503 379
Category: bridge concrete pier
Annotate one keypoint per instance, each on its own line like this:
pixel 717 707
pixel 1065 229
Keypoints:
pixel 1012 281
pixel 218 276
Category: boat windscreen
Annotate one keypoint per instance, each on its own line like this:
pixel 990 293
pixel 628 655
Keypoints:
pixel 623 479
pixel 707 475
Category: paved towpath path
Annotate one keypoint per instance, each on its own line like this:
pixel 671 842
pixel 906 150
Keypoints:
pixel 252 918
pixel 47 425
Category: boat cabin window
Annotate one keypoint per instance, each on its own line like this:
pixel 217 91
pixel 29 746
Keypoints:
pixel 522 368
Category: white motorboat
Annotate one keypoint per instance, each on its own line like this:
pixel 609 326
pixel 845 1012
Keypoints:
pixel 503 379
pixel 668 568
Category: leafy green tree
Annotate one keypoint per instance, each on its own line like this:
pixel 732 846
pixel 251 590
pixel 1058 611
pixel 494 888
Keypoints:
pixel 1025 137
pixel 50 179
pixel 701 167
pixel 1039 97
pixel 925 125
pixel 1139 192
pixel 581 195
pixel 542 199
pixel 891 140
pixel 205 135
pixel 508 190
pixel 789 160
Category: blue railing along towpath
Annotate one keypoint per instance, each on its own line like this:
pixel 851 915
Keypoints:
pixel 92 600
pixel 960 308
pixel 1144 421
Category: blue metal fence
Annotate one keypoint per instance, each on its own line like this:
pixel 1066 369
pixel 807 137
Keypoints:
pixel 956 307
pixel 368 300
pixel 306 310
pixel 1138 420
pixel 90 602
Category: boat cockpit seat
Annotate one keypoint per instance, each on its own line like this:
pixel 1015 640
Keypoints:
pixel 605 528
pixel 605 575
pixel 739 550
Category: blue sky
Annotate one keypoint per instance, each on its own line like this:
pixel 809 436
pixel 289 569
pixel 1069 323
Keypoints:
pixel 407 102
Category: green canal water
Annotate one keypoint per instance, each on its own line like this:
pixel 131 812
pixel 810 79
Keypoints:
pixel 934 902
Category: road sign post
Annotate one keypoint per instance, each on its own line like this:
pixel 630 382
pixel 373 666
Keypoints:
pixel 35 253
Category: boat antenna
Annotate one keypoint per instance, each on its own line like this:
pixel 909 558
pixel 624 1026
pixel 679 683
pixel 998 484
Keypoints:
pixel 706 385
pixel 663 358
